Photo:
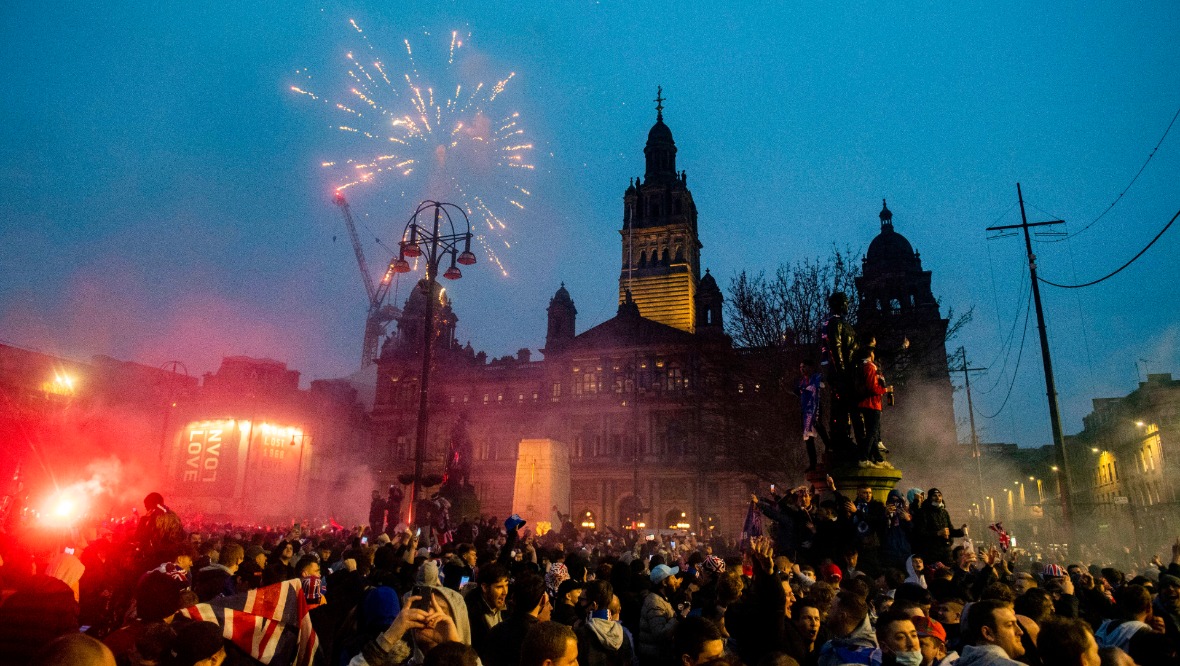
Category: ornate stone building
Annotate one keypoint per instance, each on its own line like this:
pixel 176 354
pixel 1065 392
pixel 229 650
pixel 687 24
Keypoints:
pixel 631 398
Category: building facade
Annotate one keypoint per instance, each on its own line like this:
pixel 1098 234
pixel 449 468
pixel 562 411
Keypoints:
pixel 1123 465
pixel 630 398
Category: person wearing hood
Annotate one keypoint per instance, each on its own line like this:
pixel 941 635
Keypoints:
pixel 602 640
pixel 416 630
pixel 853 639
pixel 530 605
pixel 934 532
pixel 992 635
pixel 895 538
pixel 1134 606
pixel 914 568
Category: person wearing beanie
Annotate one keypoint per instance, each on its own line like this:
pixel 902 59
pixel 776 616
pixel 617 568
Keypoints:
pixel 197 644
pixel 157 599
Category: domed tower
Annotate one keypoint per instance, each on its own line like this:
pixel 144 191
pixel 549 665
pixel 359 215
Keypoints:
pixel 661 253
pixel 898 308
pixel 709 302
pixel 409 324
pixel 562 318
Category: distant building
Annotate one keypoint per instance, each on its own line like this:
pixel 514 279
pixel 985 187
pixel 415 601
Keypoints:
pixel 245 444
pixel 1124 463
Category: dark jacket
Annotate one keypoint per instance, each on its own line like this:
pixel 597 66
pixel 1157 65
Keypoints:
pixel 214 581
pixel 504 641
pixel 929 541
pixel 477 612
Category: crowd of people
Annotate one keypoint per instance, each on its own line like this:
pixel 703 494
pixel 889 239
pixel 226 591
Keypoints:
pixel 819 579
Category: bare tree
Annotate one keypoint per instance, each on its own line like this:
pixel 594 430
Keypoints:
pixel 789 307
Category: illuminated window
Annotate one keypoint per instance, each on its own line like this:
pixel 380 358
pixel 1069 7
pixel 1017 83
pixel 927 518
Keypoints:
pixel 486 398
pixel 555 392
pixel 586 384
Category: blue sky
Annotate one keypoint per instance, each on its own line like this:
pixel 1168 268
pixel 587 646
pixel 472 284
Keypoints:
pixel 161 194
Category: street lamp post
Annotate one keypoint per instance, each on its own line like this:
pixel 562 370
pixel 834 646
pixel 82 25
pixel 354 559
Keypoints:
pixel 433 241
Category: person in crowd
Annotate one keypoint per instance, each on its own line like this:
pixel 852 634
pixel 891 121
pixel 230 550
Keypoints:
pixel 898 640
pixel 486 603
pixel 565 608
pixel 853 639
pixel 75 650
pixel 932 641
pixel 549 644
pixel 696 641
pixel 602 640
pixel 933 532
pixel 806 616
pixel 1133 603
pixel 250 572
pixel 460 570
pixel 992 636
pixel 280 564
pixel 530 604
pixel 1067 642
pixel 659 617
pixel 896 530
pixel 198 644
pixel 1166 605
pixel 219 579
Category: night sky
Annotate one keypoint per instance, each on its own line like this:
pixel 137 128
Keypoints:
pixel 162 194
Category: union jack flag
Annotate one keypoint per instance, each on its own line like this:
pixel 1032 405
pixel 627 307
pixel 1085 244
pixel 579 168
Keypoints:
pixel 271 623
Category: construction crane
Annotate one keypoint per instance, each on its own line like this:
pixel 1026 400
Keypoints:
pixel 379 314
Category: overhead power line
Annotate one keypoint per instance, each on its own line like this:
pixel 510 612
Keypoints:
pixel 1125 189
pixel 1120 268
pixel 1019 354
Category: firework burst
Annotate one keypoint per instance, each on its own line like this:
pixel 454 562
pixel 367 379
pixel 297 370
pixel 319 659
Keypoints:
pixel 429 136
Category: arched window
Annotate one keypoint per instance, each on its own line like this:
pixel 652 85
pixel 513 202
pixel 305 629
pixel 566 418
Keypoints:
pixel 679 255
pixel 665 257
pixel 643 259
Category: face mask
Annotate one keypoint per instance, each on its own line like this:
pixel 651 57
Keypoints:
pixel 908 658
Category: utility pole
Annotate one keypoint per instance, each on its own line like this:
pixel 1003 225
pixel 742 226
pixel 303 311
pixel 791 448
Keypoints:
pixel 975 451
pixel 1050 385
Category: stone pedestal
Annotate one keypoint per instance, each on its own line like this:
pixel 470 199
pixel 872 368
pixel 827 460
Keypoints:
pixel 848 479
pixel 542 481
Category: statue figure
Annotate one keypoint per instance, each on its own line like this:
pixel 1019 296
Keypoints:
pixel 839 348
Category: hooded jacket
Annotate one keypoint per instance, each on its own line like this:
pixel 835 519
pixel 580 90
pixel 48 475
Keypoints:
pixel 1118 633
pixel 603 643
pixel 855 648
pixel 913 576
